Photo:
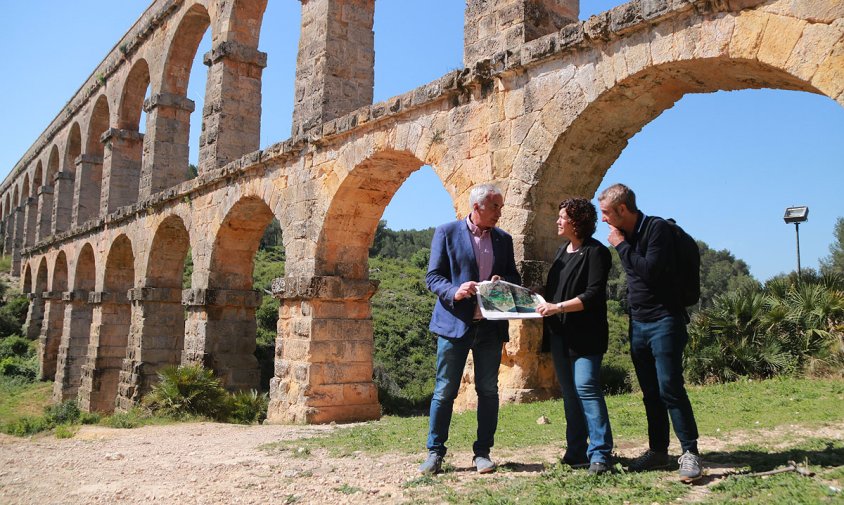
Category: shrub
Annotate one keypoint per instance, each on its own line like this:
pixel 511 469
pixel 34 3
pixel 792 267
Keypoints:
pixel 15 345
pixel 62 413
pixel 24 368
pixel 248 407
pixel 26 426
pixel 188 391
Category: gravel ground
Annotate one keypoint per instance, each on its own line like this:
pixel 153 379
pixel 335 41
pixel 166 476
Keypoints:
pixel 207 463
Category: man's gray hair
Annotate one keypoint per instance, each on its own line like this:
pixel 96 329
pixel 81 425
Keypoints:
pixel 618 194
pixel 480 193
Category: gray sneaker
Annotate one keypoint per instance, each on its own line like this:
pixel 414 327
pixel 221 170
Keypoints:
pixel 650 460
pixel 689 467
pixel 483 464
pixel 598 468
pixel 432 465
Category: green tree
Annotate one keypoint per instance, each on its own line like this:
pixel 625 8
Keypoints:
pixel 834 263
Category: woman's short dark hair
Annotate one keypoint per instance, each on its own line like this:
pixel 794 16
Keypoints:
pixel 582 215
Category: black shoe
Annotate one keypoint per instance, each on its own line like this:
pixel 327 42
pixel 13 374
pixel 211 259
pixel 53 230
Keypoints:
pixel 576 463
pixel 650 460
pixel 598 467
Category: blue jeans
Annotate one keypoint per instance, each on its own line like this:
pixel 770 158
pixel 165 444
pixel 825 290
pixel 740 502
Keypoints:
pixel 583 400
pixel 451 360
pixel 657 351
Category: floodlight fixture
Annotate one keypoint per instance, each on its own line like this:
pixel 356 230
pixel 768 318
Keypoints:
pixel 797 215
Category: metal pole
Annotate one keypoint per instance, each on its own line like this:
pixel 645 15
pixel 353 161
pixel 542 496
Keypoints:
pixel 797 231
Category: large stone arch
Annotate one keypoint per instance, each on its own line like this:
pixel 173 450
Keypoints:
pixel 63 184
pixel 31 207
pixel 45 196
pixel 232 116
pixel 325 326
pixel 634 80
pixel 157 332
pixel 223 332
pixel 26 279
pixel 166 142
pixel 89 170
pixel 54 308
pixel 35 313
pixel 76 332
pixel 109 329
pixel 124 157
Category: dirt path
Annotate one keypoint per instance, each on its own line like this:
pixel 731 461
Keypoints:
pixel 217 463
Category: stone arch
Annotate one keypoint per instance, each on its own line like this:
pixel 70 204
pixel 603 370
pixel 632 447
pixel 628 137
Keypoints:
pixel 123 159
pixel 132 98
pixel 46 194
pixel 89 176
pixel 231 329
pixel 166 142
pixel 109 329
pixel 64 183
pixel 37 178
pixel 243 23
pixel 326 364
pixel 52 165
pixel 51 330
pixel 73 148
pixel 35 314
pixel 352 216
pixel 731 53
pixel 157 332
pixel 27 286
pixel 31 207
pixel 76 329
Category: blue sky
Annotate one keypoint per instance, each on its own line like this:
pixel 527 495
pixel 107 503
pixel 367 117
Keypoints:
pixel 725 165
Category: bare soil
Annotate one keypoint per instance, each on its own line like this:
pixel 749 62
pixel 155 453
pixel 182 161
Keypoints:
pixel 208 463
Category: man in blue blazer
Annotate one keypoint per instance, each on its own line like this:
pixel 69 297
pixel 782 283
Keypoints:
pixel 463 253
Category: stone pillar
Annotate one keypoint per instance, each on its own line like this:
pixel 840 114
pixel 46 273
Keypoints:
pixel 73 348
pixel 45 213
pixel 231 117
pixel 335 63
pixel 17 240
pixel 106 351
pixel 34 316
pixel 121 169
pixel 87 189
pixel 30 217
pixel 220 333
pixel 323 365
pixel 63 196
pixel 156 340
pixel 51 335
pixel 165 155
pixel 493 26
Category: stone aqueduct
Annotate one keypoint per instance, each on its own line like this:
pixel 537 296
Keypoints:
pixel 99 218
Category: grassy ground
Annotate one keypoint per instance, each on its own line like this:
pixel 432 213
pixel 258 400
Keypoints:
pixel 739 418
pixel 719 410
pixel 22 399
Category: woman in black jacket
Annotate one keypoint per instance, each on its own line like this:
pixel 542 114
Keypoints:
pixel 577 331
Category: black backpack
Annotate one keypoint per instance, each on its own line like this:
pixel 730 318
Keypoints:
pixel 685 269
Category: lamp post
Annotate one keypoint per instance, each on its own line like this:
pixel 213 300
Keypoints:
pixel 797 215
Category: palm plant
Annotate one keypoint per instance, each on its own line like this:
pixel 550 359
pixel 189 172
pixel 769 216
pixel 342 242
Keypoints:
pixel 188 391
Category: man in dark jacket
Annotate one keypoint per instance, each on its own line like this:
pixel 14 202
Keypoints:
pixel 657 328
pixel 464 253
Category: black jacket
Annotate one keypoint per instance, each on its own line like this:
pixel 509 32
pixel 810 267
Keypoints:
pixel 646 258
pixel 584 276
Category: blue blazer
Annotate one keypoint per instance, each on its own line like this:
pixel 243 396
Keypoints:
pixel 452 263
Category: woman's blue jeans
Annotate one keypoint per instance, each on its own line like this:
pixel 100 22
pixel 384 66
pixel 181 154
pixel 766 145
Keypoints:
pixel 451 360
pixel 657 351
pixel 586 411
